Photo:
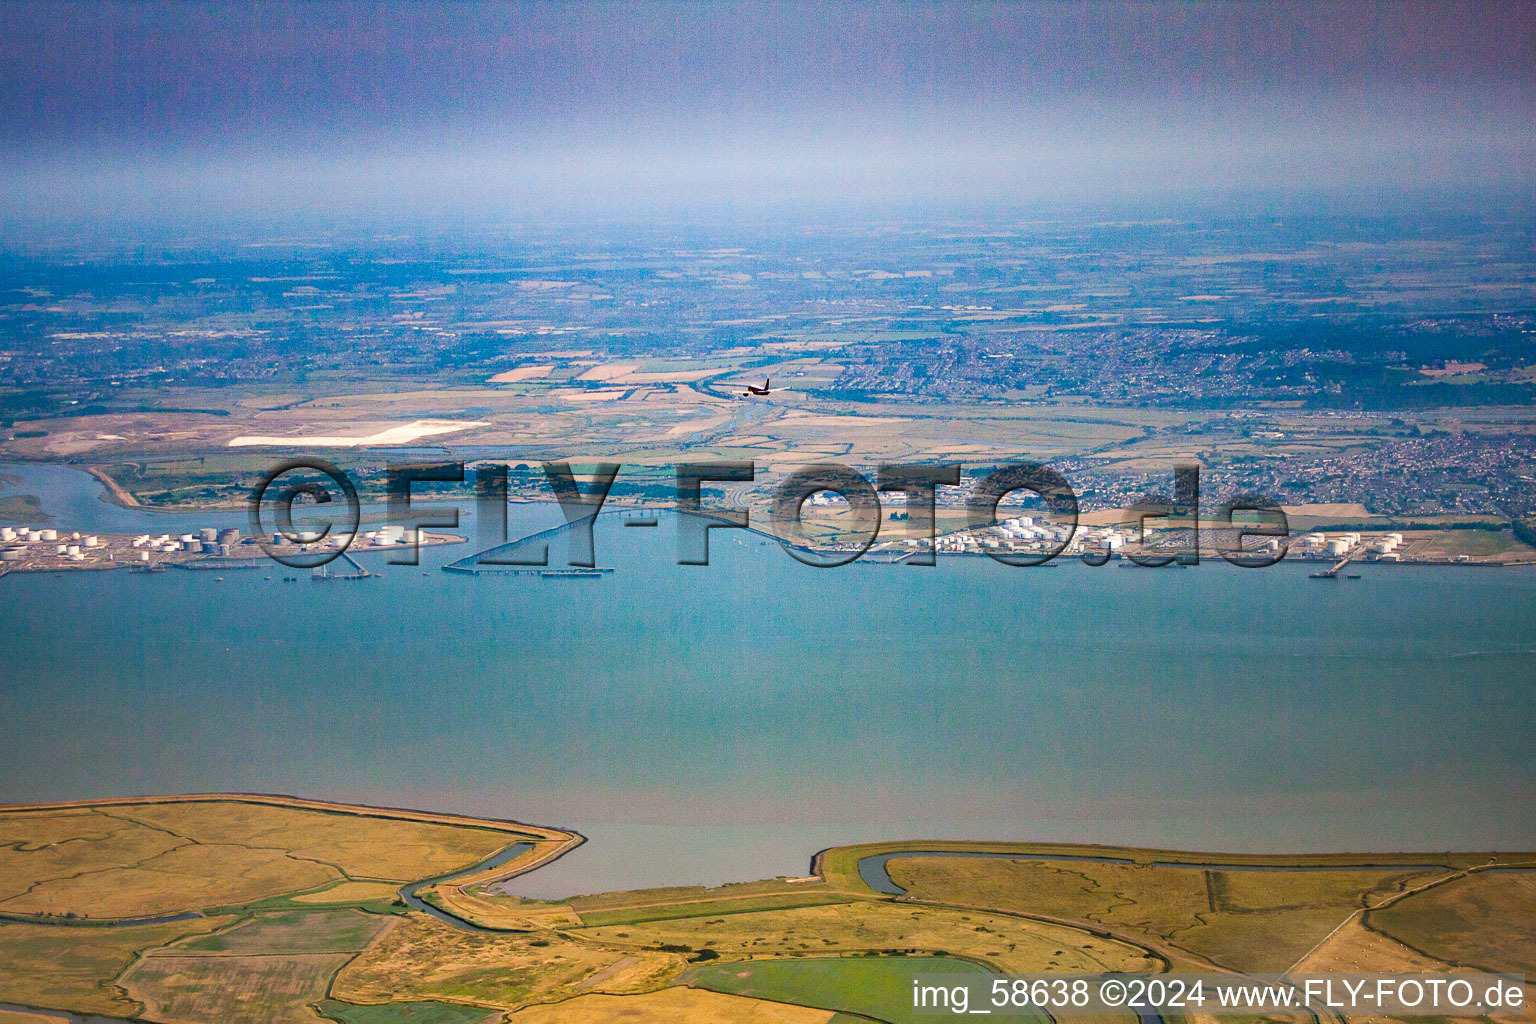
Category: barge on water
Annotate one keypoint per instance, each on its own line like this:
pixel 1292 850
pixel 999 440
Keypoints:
pixel 576 573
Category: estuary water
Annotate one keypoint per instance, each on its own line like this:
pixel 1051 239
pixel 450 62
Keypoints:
pixel 708 724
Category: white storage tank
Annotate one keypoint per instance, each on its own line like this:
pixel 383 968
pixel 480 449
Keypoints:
pixel 208 535
pixel 48 534
pixel 1338 547
pixel 90 541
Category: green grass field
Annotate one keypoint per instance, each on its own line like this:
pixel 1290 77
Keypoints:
pixel 23 508
pixel 403 1013
pixel 879 988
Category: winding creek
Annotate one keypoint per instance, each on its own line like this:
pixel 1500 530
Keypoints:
pixel 409 893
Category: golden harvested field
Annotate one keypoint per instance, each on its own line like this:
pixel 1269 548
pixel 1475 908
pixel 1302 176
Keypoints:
pixel 423 959
pixel 1355 949
pixel 37 830
pixel 1010 943
pixel 42 848
pixel 53 965
pixel 1486 920
pixel 1244 920
pixel 187 877
pixel 359 845
pixel 670 1006
pixel 232 989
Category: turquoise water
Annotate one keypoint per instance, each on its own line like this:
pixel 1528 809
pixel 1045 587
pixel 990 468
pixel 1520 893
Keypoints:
pixel 703 724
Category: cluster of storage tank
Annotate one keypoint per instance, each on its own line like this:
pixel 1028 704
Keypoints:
pixel 207 541
pixel 387 535
pixel 26 535
pixel 1385 548
pixel 1340 544
pixel 18 541
pixel 1336 545
pixel 1021 531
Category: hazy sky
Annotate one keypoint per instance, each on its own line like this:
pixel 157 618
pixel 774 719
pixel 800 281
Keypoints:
pixel 166 107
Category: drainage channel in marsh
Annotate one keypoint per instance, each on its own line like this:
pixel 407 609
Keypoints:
pixel 875 870
pixel 409 893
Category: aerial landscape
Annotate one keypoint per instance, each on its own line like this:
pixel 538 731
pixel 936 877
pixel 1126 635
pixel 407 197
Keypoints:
pixel 729 513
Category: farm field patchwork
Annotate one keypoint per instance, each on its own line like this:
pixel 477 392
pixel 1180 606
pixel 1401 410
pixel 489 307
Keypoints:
pixel 423 959
pixel 74 968
pixel 270 948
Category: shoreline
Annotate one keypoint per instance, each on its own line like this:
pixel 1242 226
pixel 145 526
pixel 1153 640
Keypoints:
pixel 117 495
pixel 546 844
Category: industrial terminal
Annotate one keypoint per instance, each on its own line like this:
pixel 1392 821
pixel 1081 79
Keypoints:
pixel 38 549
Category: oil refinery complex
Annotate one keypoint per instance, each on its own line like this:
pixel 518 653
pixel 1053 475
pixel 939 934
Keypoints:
pixel 33 549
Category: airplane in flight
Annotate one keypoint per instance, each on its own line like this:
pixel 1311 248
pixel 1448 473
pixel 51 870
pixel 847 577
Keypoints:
pixel 753 389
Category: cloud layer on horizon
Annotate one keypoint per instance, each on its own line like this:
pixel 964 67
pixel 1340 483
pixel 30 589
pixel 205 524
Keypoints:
pixel 112 106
